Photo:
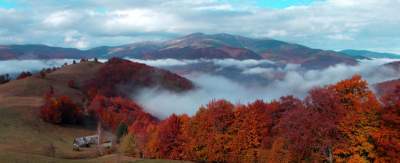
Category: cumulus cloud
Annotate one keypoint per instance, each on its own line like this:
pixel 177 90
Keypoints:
pixel 330 24
pixel 294 81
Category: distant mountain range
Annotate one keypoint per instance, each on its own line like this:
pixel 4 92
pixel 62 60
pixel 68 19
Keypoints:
pixel 364 54
pixel 193 46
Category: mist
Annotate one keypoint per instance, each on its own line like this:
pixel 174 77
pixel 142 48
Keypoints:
pixel 293 81
pixel 13 67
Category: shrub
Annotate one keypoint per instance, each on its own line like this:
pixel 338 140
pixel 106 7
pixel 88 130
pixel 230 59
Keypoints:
pixel 72 84
pixel 122 130
pixel 128 146
pixel 60 110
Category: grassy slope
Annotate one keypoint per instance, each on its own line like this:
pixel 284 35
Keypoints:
pixel 25 138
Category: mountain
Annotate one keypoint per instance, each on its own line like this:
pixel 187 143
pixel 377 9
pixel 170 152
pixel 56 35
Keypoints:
pixel 193 46
pixel 365 54
pixel 199 45
pixel 38 52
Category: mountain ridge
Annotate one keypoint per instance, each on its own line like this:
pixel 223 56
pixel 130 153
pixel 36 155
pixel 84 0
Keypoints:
pixel 192 46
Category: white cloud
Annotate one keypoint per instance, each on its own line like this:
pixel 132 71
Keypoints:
pixel 143 20
pixel 60 19
pixel 276 33
pixel 76 40
pixel 340 37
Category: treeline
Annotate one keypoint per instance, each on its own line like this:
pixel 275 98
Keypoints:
pixel 343 122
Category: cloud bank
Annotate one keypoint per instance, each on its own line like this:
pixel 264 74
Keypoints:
pixel 294 81
pixel 17 66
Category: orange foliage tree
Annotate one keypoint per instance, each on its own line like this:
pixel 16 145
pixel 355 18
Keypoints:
pixel 210 130
pixel 250 131
pixel 359 122
pixel 170 140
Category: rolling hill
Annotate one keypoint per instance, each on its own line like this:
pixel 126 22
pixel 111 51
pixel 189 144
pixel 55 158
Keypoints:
pixel 193 46
pixel 24 137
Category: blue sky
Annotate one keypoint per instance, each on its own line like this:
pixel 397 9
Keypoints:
pixel 324 24
pixel 7 4
pixel 282 3
pixel 274 4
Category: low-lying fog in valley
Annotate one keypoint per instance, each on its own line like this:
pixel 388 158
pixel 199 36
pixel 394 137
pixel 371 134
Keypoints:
pixel 240 81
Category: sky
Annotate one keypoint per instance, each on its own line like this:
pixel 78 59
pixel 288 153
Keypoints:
pixel 324 24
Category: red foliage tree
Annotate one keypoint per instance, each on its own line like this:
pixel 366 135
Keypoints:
pixel 169 140
pixel 60 110
pixel 388 136
pixel 310 129
pixel 113 111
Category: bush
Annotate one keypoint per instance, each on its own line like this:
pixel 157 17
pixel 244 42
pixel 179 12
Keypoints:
pixel 61 110
pixel 72 84
pixel 128 146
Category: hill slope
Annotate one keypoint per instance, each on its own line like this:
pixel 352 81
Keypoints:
pixel 25 137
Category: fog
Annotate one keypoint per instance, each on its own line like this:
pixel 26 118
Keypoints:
pixel 17 66
pixel 294 81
